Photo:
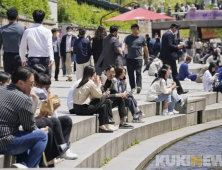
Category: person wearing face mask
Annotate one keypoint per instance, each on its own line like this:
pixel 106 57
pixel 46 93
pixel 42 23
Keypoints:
pixel 56 49
pixel 111 54
pixel 169 53
pixel 66 50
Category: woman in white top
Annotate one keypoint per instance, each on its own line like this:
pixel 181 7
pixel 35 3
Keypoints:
pixel 210 77
pixel 88 99
pixel 159 92
pixel 155 66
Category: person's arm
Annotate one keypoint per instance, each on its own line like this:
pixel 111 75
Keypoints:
pixel 96 91
pixel 147 54
pixel 170 42
pixel 61 47
pixel 163 87
pixel 186 70
pixel 89 49
pixel 26 116
pixel 50 49
pixel 210 78
pixel 23 47
pixel 116 46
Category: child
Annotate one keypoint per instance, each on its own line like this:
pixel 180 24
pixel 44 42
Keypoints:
pixel 5 78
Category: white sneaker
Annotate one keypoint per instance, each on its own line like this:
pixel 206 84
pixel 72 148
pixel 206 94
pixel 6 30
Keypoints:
pixel 165 112
pixel 19 166
pixel 111 127
pixel 170 113
pixel 175 111
pixel 183 102
pixel 69 155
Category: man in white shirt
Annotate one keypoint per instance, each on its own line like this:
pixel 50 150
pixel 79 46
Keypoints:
pixel 70 96
pixel 38 39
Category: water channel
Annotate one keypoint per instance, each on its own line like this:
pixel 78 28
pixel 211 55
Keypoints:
pixel 205 146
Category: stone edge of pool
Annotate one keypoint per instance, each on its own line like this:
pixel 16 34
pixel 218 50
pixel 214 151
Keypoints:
pixel 137 157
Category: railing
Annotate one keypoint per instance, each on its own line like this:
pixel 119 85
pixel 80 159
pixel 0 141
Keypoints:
pixel 104 4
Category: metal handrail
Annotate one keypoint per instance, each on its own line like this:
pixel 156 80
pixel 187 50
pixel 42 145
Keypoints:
pixel 117 9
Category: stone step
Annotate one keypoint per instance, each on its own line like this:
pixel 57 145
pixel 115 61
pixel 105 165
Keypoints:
pixel 137 157
pixel 95 150
pixel 212 112
pixel 194 104
pixel 211 97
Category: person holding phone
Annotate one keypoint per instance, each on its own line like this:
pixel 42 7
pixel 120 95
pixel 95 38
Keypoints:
pixel 130 101
pixel 159 92
pixel 210 79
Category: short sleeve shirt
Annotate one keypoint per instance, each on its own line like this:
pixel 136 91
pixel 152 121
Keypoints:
pixel 135 46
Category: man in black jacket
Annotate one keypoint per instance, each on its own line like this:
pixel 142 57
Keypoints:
pixel 169 53
pixel 66 50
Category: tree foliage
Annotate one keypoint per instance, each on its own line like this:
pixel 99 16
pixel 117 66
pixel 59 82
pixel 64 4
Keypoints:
pixel 88 16
pixel 26 7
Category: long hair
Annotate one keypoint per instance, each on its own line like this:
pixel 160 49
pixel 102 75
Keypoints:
pixel 161 74
pixel 100 33
pixel 211 66
pixel 87 74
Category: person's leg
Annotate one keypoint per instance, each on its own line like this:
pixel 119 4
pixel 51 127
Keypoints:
pixel 57 130
pixel 192 77
pixel 68 64
pixel 34 142
pixel 119 102
pixel 66 123
pixel 176 97
pixel 43 122
pixel 45 62
pixel 17 62
pixel 71 111
pixel 166 98
pixel 130 104
pixel 172 104
pixel 64 68
pixel 79 71
pixel 98 70
pixel 7 64
pixel 57 61
pixel 175 76
pixel 130 69
pixel 139 64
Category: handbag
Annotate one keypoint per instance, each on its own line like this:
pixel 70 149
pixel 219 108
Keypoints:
pixel 47 105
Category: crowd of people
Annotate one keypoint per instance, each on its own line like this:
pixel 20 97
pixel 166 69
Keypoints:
pixel 29 125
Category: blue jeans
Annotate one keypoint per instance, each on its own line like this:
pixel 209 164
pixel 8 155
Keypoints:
pixel 163 97
pixel 174 99
pixel 192 77
pixel 28 147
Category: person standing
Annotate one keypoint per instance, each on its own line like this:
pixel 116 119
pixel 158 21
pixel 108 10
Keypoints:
pixel 16 109
pixel 134 60
pixel 97 46
pixel 10 38
pixel 169 53
pixel 38 39
pixel 82 49
pixel 66 50
pixel 111 54
pixel 56 49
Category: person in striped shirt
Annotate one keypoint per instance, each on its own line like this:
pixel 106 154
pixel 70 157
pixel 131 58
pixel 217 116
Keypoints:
pixel 16 110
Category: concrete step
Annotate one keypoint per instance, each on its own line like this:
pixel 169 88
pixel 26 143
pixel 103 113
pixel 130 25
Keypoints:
pixel 137 157
pixel 212 112
pixel 95 150
pixel 194 104
pixel 211 97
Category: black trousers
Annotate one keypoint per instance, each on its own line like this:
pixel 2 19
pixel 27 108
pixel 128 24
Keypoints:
pixel 102 106
pixel 57 62
pixel 11 61
pixel 52 149
pixel 40 60
pixel 173 66
pixel 62 127
pixel 120 103
pixel 132 66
